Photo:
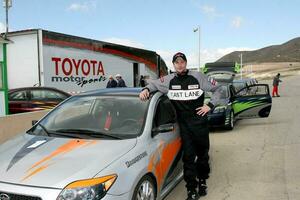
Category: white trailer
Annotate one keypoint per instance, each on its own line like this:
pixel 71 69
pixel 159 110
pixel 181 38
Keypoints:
pixel 74 64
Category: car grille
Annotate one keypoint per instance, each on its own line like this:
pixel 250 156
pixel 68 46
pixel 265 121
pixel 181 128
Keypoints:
pixel 17 196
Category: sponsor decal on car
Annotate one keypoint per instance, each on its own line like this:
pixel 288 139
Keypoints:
pixel 161 160
pixel 136 159
pixel 242 106
pixel 31 145
pixel 63 149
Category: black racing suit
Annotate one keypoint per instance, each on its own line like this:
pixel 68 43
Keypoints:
pixel 186 92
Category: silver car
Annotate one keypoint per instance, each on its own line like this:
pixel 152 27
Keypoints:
pixel 105 144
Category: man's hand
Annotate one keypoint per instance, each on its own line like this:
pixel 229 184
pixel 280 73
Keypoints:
pixel 144 95
pixel 203 110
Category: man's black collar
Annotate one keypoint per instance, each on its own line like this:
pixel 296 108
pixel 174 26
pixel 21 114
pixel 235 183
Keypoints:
pixel 183 73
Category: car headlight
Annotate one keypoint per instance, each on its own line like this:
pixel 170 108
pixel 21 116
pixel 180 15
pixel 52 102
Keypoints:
pixel 90 189
pixel 219 109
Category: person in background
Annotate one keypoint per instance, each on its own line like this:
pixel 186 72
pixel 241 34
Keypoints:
pixel 142 81
pixel 276 81
pixel 112 83
pixel 121 82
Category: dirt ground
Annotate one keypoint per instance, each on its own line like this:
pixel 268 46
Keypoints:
pixel 265 71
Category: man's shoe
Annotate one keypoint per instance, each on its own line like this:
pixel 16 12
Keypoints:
pixel 202 188
pixel 193 195
pixel 278 95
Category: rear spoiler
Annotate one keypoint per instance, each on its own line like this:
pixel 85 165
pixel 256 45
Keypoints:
pixel 231 67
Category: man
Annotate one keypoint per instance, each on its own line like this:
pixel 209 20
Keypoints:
pixel 121 82
pixel 276 81
pixel 112 83
pixel 186 91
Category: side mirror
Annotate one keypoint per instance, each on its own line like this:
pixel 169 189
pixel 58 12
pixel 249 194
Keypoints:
pixel 33 122
pixel 163 128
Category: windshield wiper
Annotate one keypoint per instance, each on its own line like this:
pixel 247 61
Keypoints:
pixel 66 135
pixel 48 133
pixel 88 132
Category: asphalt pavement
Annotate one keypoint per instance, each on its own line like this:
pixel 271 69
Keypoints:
pixel 260 158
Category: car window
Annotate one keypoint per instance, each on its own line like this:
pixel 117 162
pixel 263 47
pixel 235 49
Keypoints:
pixel 253 90
pixel 238 86
pixel 55 95
pixel 46 94
pixel 18 96
pixel 116 115
pixel 165 113
pixel 224 92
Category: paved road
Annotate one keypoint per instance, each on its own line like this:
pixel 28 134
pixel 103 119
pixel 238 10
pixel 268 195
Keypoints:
pixel 260 158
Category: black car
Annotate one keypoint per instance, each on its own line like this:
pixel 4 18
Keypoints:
pixel 29 99
pixel 250 101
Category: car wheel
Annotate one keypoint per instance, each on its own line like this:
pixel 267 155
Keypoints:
pixel 230 124
pixel 145 189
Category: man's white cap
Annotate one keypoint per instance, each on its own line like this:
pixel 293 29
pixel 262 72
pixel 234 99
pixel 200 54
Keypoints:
pixel 118 75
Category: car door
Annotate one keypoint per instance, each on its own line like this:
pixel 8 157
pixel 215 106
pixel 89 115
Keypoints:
pixel 18 102
pixel 169 142
pixel 252 102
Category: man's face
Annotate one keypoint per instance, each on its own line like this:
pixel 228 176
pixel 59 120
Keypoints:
pixel 180 65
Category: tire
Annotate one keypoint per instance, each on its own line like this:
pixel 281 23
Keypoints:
pixel 230 125
pixel 145 189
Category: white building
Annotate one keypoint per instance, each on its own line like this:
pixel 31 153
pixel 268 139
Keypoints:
pixel 71 63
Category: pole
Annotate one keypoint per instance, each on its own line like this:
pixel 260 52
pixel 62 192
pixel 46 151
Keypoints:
pixel 199 46
pixel 199 50
pixel 241 65
pixel 6 11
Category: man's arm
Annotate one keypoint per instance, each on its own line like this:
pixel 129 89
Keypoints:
pixel 161 85
pixel 211 86
pixel 208 86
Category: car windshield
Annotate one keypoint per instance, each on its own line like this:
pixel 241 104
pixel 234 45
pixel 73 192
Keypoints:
pixel 224 93
pixel 95 116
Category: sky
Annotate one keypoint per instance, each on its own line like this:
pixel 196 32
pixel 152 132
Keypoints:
pixel 165 26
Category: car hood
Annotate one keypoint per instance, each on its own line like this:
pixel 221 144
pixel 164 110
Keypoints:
pixel 56 162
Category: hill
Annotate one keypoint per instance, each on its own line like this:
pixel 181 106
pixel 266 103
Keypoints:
pixel 286 52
